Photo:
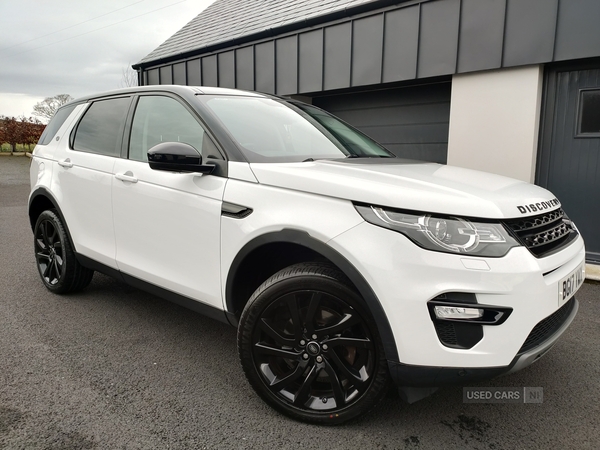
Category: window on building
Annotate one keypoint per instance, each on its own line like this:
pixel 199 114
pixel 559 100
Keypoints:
pixel 101 128
pixel 589 113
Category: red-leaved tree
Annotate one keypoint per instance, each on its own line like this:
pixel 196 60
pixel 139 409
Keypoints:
pixel 24 130
pixel 30 130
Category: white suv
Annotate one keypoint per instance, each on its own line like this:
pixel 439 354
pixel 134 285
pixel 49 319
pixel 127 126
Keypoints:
pixel 341 265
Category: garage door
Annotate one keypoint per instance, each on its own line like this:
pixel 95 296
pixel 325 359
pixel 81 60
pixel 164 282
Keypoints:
pixel 570 152
pixel 412 121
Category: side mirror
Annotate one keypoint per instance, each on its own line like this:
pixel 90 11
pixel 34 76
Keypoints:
pixel 177 157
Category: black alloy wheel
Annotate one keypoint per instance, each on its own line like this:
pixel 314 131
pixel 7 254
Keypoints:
pixel 58 267
pixel 309 348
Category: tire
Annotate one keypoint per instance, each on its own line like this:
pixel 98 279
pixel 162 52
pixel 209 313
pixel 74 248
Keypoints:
pixel 309 347
pixel 57 265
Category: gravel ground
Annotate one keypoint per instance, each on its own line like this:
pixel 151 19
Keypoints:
pixel 115 368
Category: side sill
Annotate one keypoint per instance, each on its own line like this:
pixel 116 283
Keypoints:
pixel 98 267
pixel 181 300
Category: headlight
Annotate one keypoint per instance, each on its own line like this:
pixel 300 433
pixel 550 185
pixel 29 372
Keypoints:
pixel 443 234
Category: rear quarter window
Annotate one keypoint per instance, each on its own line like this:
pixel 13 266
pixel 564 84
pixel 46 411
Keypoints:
pixel 55 124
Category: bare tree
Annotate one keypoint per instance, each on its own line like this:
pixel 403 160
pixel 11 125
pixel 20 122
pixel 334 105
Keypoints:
pixel 47 107
pixel 129 77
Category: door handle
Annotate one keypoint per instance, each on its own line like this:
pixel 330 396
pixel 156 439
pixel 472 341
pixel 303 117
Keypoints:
pixel 127 176
pixel 66 163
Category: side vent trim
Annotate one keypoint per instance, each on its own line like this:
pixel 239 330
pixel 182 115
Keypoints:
pixel 235 211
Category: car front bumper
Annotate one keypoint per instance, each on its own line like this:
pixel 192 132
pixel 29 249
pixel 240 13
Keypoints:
pixel 405 277
pixel 424 376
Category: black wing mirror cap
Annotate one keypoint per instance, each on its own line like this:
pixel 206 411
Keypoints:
pixel 177 157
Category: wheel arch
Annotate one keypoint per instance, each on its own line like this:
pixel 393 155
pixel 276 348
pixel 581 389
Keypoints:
pixel 305 248
pixel 41 200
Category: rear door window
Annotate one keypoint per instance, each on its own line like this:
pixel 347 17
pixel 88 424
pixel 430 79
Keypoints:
pixel 101 128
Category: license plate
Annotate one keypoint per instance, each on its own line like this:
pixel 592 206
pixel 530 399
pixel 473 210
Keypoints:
pixel 570 284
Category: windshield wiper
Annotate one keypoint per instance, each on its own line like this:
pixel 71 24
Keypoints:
pixel 369 156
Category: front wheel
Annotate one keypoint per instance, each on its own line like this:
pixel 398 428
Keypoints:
pixel 310 348
pixel 56 262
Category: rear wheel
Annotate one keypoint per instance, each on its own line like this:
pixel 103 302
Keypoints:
pixel 56 262
pixel 309 347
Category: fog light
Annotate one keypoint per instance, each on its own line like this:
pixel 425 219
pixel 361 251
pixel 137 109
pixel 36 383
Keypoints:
pixel 453 312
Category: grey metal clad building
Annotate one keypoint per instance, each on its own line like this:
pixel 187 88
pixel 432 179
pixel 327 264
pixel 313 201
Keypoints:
pixel 506 86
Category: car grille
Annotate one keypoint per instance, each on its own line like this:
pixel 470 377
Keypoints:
pixel 446 333
pixel 547 327
pixel 545 233
pixel 458 335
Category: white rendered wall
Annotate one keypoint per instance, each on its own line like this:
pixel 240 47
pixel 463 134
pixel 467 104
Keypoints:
pixel 494 121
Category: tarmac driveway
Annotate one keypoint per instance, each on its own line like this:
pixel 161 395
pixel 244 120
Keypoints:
pixel 113 367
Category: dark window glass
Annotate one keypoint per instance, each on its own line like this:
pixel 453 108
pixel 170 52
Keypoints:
pixel 166 77
pixel 162 119
pixel 56 122
pixel 152 75
pixel 589 113
pixel 101 128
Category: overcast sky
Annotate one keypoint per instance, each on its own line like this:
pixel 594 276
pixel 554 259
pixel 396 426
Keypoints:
pixel 79 47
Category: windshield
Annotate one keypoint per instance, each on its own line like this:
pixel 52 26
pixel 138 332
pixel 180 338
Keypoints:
pixel 267 130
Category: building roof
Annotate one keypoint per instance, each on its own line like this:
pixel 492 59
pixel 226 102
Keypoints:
pixel 233 22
